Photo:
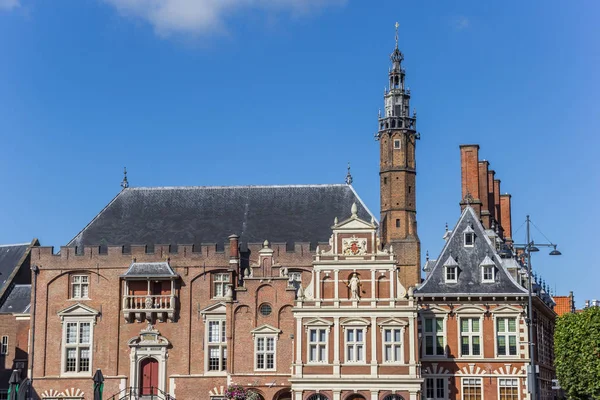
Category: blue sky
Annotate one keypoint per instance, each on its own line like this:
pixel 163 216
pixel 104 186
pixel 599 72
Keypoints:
pixel 237 92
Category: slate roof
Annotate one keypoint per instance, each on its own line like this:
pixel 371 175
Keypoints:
pixel 10 257
pixel 194 215
pixel 154 269
pixel 18 301
pixel 469 260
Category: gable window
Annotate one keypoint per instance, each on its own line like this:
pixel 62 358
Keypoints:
pixel 469 239
pixel 264 349
pixel 80 286
pixel 434 337
pixel 317 345
pixel 508 388
pixel 4 346
pixel 392 345
pixel 355 345
pixel 471 388
pixel 506 336
pixel 451 274
pixel 488 273
pixel 397 144
pixel 217 345
pixel 77 340
pixel 220 282
pixel 470 337
pixel 435 388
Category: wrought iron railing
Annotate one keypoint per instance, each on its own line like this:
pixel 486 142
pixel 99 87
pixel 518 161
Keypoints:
pixel 143 393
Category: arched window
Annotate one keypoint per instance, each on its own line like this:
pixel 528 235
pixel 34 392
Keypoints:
pixel 318 396
pixel 393 397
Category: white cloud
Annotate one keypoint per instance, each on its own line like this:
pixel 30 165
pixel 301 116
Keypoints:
pixel 200 17
pixel 461 23
pixel 9 4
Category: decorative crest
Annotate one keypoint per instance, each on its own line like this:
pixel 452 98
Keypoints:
pixel 349 176
pixel 124 182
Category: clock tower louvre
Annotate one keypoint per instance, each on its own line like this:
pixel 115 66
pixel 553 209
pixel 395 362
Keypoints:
pixel 397 136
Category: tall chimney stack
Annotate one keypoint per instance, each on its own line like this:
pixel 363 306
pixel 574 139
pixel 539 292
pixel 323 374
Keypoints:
pixel 491 195
pixel 484 193
pixel 497 208
pixel 506 216
pixel 469 166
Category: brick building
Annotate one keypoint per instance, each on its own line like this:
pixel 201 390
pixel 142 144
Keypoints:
pixel 473 302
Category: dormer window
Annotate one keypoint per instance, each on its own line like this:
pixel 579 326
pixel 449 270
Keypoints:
pixel 451 270
pixel 488 270
pixel 469 235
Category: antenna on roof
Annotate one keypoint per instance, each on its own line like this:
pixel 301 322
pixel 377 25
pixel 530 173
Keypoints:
pixel 124 182
pixel 349 176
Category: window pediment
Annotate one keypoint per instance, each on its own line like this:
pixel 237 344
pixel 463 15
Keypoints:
pixel 355 321
pixel 78 310
pixel 393 322
pixel 318 322
pixel 434 310
pixel 265 329
pixel 487 261
pixel 218 309
pixel 506 310
pixel 469 309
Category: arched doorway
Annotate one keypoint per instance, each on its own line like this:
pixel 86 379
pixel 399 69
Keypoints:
pixel 148 377
pixel 393 397
pixel 318 396
pixel 284 394
pixel 355 397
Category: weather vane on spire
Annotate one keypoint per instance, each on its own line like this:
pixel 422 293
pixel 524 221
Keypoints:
pixel 349 176
pixel 124 183
pixel 397 26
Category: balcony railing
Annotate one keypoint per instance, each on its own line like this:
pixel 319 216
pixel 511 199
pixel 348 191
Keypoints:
pixel 148 307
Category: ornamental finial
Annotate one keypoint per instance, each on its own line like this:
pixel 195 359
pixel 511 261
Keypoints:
pixel 349 176
pixel 397 26
pixel 124 182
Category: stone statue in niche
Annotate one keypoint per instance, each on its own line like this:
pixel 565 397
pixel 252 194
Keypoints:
pixel 354 285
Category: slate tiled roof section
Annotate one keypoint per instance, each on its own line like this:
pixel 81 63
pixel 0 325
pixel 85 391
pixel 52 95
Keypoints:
pixel 10 257
pixel 469 260
pixel 18 301
pixel 150 269
pixel 194 215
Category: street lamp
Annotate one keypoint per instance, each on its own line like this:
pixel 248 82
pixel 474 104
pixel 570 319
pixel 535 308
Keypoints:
pixel 528 248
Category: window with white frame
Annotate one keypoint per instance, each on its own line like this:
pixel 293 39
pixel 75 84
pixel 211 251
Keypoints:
pixel 355 345
pixel 471 388
pixel 508 388
pixel 506 336
pixel 4 346
pixel 435 388
pixel 80 286
pixel 392 345
pixel 294 279
pixel 317 345
pixel 220 282
pixel 487 272
pixel 397 144
pixel 470 336
pixel 469 239
pixel 216 345
pixel 451 273
pixel 77 345
pixel 264 350
pixel 434 337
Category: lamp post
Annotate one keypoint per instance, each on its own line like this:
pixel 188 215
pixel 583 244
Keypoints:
pixel 532 247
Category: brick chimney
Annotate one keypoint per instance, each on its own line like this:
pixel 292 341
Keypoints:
pixel 484 193
pixel 506 221
pixel 491 194
pixel 469 166
pixel 497 208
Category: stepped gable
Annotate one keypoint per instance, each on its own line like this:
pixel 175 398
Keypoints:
pixel 194 215
pixel 469 259
pixel 11 256
pixel 18 301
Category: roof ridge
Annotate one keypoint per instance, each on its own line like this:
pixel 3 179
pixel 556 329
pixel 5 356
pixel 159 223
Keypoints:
pixel 236 187
pixel 16 244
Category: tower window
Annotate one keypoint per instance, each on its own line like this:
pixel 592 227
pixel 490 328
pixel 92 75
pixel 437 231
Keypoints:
pixel 397 144
pixel 409 188
pixel 397 223
pixel 385 181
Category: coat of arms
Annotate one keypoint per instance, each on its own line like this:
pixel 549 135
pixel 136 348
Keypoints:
pixel 354 246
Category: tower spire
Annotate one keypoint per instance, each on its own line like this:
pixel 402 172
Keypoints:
pixel 349 176
pixel 124 182
pixel 397 26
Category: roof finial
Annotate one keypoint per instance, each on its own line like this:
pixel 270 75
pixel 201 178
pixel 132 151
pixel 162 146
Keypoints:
pixel 349 176
pixel 354 210
pixel 427 255
pixel 124 182
pixel 397 26
pixel 446 227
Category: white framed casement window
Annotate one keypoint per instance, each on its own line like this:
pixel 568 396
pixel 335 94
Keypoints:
pixel 451 274
pixel 435 388
pixel 506 336
pixel 355 345
pixel 487 273
pixel 469 236
pixel 508 388
pixel 216 345
pixel 4 346
pixel 470 337
pixel 264 352
pixel 80 286
pixel 393 345
pixel 434 336
pixel 77 346
pixel 220 282
pixel 471 389
pixel 317 345
pixel 450 270
pixel 397 144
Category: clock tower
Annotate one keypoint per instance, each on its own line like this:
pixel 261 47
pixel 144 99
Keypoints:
pixel 397 136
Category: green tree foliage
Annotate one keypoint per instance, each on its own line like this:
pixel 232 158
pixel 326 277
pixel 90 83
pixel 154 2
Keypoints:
pixel 577 353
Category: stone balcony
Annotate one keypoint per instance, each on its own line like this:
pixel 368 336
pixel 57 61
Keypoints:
pixel 149 307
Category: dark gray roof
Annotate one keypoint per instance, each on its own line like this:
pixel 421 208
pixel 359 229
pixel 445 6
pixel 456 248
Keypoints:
pixel 469 260
pixel 194 215
pixel 18 300
pixel 154 269
pixel 10 255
